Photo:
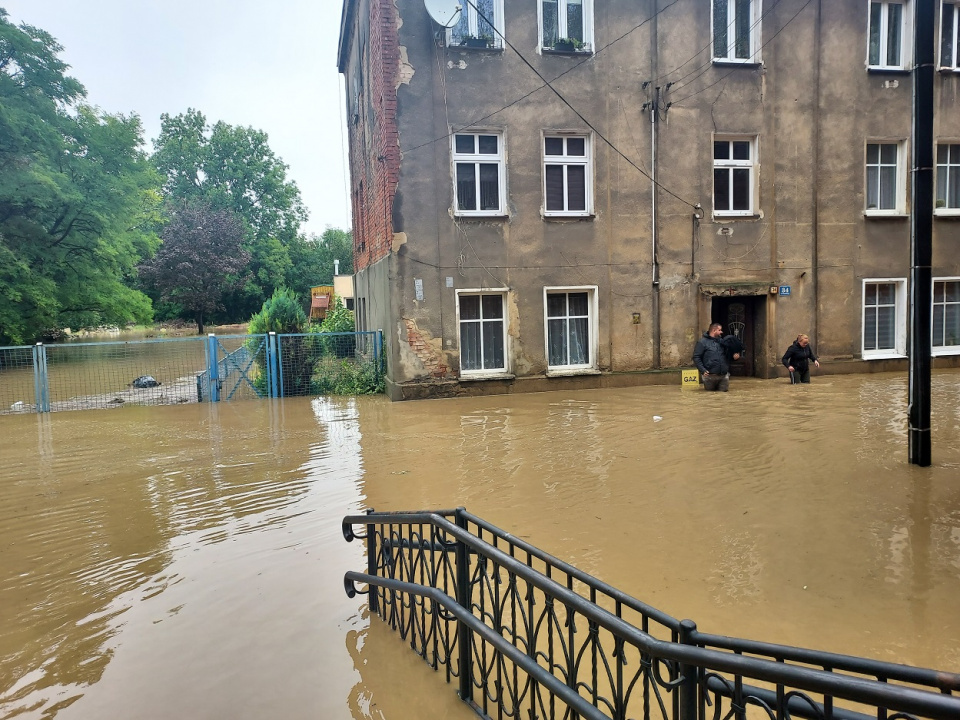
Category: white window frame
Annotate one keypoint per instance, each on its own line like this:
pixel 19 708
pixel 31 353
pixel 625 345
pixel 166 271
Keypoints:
pixel 566 161
pixel 476 159
pixel 730 165
pixel 906 34
pixel 730 22
pixel 484 372
pixel 899 350
pixel 943 170
pixel 562 30
pixel 942 349
pixel 952 61
pixel 901 179
pixel 472 21
pixel 592 330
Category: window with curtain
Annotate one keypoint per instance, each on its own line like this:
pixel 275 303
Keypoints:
pixel 946 316
pixel 884 318
pixel 482 332
pixel 883 191
pixel 480 19
pixel 570 19
pixel 570 328
pixel 948 179
pixel 887 35
pixel 736 28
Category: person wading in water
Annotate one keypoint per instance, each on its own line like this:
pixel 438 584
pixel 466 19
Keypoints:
pixel 710 357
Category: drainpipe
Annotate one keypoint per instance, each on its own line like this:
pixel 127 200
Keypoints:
pixel 655 262
pixel 654 256
pixel 815 249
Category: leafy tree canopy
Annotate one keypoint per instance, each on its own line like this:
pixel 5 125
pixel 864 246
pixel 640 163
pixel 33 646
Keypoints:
pixel 233 168
pixel 201 260
pixel 78 198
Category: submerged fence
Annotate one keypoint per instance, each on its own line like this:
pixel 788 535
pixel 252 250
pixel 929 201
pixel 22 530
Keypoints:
pixel 525 635
pixel 80 376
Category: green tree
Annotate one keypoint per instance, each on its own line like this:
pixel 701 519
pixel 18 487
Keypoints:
pixel 234 168
pixel 200 261
pixel 312 260
pixel 78 198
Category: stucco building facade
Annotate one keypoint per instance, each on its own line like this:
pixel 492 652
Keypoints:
pixel 532 214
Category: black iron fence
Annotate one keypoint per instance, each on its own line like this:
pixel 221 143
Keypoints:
pixel 526 635
pixel 90 375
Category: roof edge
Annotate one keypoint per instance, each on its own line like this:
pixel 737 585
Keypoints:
pixel 346 19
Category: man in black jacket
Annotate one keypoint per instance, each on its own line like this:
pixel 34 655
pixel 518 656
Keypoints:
pixel 710 357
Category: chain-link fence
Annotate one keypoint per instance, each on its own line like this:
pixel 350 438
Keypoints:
pixel 17 376
pixel 77 376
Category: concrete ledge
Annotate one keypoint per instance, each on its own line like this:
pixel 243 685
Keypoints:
pixel 427 389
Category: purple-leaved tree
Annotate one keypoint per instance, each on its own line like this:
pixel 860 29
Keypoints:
pixel 200 260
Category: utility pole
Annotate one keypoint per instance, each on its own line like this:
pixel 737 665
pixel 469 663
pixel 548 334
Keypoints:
pixel 921 231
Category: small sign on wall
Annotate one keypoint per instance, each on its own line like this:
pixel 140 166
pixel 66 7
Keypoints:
pixel 690 378
pixel 784 290
pixel 418 288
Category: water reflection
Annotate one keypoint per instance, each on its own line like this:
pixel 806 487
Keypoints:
pixel 187 561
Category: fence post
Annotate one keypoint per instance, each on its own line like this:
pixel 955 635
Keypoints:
pixel 688 675
pixel 213 367
pixel 41 380
pixel 464 636
pixel 272 365
pixel 372 598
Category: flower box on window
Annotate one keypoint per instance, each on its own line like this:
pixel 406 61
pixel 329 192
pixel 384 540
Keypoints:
pixel 476 42
pixel 567 45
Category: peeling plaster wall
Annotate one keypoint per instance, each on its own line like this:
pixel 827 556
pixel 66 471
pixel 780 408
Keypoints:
pixel 812 107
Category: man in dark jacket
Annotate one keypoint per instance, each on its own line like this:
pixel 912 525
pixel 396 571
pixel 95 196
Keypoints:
pixel 710 357
pixel 797 360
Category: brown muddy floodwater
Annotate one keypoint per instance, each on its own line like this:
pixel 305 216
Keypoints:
pixel 186 561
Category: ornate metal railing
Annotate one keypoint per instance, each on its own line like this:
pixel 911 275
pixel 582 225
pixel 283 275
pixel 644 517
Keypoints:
pixel 526 635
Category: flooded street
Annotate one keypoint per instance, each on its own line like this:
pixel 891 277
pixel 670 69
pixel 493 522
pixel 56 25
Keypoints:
pixel 187 561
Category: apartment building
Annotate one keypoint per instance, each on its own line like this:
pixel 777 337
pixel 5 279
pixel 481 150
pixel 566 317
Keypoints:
pixel 565 193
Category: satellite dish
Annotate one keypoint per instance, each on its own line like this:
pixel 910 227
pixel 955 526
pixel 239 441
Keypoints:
pixel 444 12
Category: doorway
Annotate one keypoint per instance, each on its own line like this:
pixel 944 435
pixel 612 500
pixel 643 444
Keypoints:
pixel 741 315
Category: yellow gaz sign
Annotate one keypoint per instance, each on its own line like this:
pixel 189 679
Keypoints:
pixel 690 378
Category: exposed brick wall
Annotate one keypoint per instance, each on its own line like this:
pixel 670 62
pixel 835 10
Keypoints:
pixel 423 350
pixel 374 143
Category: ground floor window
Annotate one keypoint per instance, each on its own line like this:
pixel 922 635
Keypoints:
pixel 482 332
pixel 571 328
pixel 946 316
pixel 884 318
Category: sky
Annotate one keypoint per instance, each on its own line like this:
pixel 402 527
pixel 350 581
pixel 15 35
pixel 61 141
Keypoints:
pixel 271 66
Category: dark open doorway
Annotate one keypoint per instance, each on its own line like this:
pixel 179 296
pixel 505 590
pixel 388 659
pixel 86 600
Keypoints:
pixel 742 315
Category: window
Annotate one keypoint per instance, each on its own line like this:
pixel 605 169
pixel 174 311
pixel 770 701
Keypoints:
pixel 567 177
pixel 884 318
pixel 482 332
pixel 478 173
pixel 948 180
pixel 886 186
pixel 571 329
pixel 733 176
pixel 949 29
pixel 736 28
pixel 566 19
pixel 886 40
pixel 481 20
pixel 946 316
